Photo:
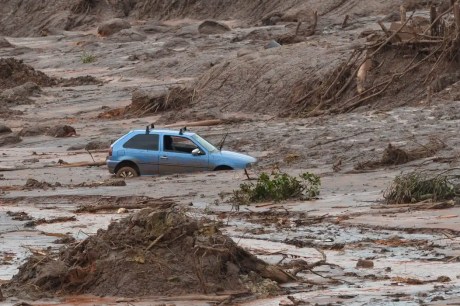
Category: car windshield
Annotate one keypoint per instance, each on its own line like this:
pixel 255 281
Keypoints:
pixel 209 147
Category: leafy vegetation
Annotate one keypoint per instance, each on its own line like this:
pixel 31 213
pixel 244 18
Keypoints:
pixel 418 186
pixel 87 58
pixel 277 187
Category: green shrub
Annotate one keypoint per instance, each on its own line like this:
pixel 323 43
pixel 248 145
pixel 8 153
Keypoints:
pixel 277 187
pixel 87 58
pixel 418 186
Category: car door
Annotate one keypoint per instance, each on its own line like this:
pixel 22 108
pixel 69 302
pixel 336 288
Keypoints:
pixel 176 155
pixel 143 149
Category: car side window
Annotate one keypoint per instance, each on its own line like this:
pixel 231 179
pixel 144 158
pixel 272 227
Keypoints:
pixel 143 142
pixel 178 144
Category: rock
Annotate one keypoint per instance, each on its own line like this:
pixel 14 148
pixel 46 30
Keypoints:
pixel 32 131
pixel 61 131
pixel 5 44
pixel 443 279
pixel 122 210
pixel 80 80
pixel 393 16
pixel 176 42
pixel 4 129
pixel 113 26
pixel 272 44
pixel 76 147
pixel 97 145
pixel 20 94
pixel 33 183
pixel 366 264
pixel 31 160
pixel 188 31
pixel 155 29
pixel 6 140
pixel 243 52
pixel 128 35
pixel 438 298
pixel 213 27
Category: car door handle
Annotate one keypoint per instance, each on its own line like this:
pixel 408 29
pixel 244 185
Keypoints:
pixel 163 157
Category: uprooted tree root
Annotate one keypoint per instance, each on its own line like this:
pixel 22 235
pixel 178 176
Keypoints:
pixel 153 252
pixel 396 156
pixel 420 186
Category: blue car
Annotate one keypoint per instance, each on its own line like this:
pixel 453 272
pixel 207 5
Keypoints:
pixel 154 151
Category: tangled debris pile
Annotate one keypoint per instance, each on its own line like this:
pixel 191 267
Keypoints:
pixel 14 72
pixel 393 155
pixel 157 251
pixel 143 102
pixel 416 186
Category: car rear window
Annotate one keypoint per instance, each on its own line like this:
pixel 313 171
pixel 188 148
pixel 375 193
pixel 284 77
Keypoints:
pixel 143 142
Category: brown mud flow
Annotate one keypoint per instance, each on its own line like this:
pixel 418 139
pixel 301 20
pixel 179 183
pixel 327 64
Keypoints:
pixel 354 91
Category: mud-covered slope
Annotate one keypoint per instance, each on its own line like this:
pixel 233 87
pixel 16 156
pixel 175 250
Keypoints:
pixel 263 82
pixel 32 18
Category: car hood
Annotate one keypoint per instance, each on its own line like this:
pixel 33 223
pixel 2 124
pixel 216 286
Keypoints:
pixel 236 156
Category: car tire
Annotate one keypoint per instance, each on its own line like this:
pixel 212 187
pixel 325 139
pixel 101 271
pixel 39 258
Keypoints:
pixel 127 172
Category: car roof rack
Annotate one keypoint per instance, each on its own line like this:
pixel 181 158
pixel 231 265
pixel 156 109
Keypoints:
pixel 182 130
pixel 148 127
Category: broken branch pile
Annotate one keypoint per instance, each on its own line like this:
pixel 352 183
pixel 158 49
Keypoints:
pixel 393 155
pixel 153 252
pixel 416 55
pixel 420 186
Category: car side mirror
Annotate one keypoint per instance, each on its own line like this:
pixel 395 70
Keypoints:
pixel 196 152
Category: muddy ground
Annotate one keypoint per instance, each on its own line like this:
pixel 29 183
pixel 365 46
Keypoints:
pixel 411 252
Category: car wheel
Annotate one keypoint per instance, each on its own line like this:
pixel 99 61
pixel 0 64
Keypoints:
pixel 127 172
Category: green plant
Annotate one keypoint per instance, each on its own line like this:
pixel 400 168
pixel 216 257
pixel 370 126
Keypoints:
pixel 418 186
pixel 277 187
pixel 87 58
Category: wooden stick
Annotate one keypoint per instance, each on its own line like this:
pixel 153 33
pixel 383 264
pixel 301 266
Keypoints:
pixel 433 21
pixel 392 36
pixel 209 122
pixel 438 18
pixel 345 21
pixel 315 23
pixel 429 94
pixel 384 29
pixel 155 242
pixel 402 12
pixel 83 164
pixel 457 15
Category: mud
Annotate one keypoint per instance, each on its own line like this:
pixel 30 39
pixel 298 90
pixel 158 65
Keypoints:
pixel 242 90
pixel 15 72
pixel 28 17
